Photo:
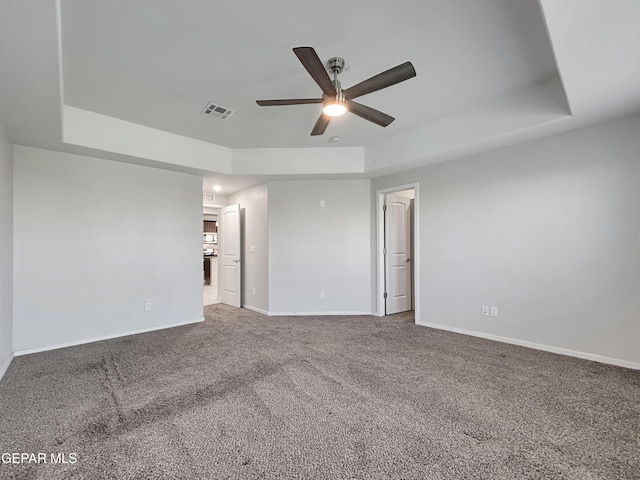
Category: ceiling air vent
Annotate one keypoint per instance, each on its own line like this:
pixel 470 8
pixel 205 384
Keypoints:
pixel 216 111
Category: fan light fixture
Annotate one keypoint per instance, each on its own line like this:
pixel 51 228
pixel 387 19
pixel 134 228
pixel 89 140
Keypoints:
pixel 334 108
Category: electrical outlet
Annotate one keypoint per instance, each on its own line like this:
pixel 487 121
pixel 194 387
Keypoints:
pixel 321 203
pixel 485 310
pixel 321 295
pixel 147 307
pixel 494 311
pixel 253 291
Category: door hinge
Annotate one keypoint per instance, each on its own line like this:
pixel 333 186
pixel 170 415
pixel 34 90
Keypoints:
pixel 384 251
pixel 384 208
pixel 385 294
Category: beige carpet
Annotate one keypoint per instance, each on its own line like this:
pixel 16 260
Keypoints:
pixel 244 396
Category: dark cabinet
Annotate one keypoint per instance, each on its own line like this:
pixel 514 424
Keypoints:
pixel 207 271
pixel 210 227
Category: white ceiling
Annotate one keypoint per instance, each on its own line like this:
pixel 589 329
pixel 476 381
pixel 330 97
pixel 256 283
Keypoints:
pixel 489 73
pixel 158 63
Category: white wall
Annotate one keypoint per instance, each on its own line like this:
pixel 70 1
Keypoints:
pixel 94 240
pixel 6 250
pixel 548 231
pixel 254 220
pixel 314 249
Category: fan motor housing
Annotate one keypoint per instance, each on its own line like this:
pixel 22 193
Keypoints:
pixel 336 64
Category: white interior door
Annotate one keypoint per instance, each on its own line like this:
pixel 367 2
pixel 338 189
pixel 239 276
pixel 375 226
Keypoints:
pixel 397 254
pixel 229 241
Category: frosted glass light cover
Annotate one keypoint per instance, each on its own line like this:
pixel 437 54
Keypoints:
pixel 334 109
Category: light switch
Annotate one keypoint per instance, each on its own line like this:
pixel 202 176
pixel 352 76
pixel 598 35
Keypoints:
pixel 253 249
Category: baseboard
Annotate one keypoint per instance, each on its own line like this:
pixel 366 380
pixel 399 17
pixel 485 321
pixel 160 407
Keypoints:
pixel 106 337
pixel 295 314
pixel 255 309
pixel 5 366
pixel 537 346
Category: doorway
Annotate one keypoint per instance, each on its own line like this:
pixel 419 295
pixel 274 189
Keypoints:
pixel 221 246
pixel 398 250
pixel 210 256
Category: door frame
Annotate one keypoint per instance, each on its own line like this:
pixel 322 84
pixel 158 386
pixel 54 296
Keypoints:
pixel 380 194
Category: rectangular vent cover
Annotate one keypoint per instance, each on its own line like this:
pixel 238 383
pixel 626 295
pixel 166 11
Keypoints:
pixel 216 111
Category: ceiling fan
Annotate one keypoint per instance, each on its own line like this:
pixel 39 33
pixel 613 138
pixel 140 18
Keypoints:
pixel 337 101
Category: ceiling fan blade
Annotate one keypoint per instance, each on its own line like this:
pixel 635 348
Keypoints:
pixel 321 124
pixel 371 114
pixel 289 101
pixel 310 60
pixel 385 79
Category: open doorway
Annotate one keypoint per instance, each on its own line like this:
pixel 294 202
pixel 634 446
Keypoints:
pixel 221 248
pixel 210 256
pixel 397 252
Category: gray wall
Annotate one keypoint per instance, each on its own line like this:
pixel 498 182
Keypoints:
pixel 6 250
pixel 314 249
pixel 94 241
pixel 548 231
pixel 255 272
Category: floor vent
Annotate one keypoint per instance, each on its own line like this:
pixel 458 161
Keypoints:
pixel 216 111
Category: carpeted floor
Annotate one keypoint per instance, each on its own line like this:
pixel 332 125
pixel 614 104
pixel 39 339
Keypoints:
pixel 244 396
